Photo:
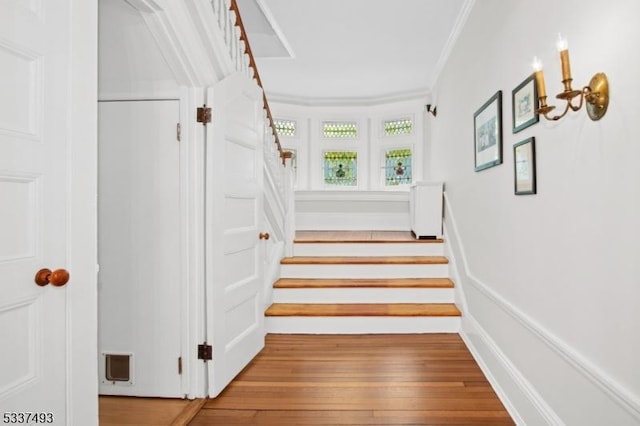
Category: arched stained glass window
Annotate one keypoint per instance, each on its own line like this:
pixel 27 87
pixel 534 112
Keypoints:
pixel 341 168
pixel 398 167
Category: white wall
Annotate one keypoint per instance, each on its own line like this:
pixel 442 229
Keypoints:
pixel 370 143
pixel 551 280
pixel 131 64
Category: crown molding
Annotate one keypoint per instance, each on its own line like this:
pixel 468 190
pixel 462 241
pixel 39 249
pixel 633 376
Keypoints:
pixel 422 94
pixel 461 21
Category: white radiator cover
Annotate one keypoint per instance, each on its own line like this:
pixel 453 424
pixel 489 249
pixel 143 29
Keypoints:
pixel 425 209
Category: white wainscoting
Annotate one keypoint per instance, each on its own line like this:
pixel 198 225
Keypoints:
pixel 540 379
pixel 352 210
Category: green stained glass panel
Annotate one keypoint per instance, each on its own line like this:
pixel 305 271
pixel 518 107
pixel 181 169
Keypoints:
pixel 398 127
pixel 332 129
pixel 398 167
pixel 285 127
pixel 341 168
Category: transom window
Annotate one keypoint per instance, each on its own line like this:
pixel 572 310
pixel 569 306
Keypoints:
pixel 341 168
pixel 335 129
pixel 398 127
pixel 285 127
pixel 398 167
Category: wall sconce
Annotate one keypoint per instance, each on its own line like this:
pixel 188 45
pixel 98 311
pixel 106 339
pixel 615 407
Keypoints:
pixel 596 93
pixel 430 110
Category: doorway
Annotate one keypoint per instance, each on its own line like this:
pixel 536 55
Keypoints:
pixel 139 249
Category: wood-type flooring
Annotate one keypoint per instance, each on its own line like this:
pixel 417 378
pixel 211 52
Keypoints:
pixel 417 379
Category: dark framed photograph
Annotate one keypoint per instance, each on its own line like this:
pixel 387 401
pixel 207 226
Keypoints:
pixel 524 167
pixel 487 125
pixel 523 106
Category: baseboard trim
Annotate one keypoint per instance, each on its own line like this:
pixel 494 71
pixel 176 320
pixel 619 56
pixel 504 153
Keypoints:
pixel 189 412
pixel 618 393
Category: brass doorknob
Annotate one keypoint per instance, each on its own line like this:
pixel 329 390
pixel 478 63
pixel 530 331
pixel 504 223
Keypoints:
pixel 57 278
pixel 264 235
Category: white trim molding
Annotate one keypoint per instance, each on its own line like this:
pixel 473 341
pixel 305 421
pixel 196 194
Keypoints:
pixel 625 403
pixel 465 11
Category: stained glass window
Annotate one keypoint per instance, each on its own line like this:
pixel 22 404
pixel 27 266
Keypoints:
pixel 285 127
pixel 341 168
pixel 333 129
pixel 398 167
pixel 398 127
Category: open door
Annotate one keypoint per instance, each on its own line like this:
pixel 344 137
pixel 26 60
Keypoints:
pixel 47 213
pixel 234 198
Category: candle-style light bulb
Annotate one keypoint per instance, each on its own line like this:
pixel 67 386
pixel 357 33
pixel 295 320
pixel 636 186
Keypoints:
pixel 536 64
pixel 537 67
pixel 563 48
pixel 562 43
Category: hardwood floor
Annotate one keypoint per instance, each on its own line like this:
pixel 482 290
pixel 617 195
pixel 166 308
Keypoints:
pixel 425 379
pixel 125 411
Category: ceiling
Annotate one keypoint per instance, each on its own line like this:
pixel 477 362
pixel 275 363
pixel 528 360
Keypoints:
pixel 315 51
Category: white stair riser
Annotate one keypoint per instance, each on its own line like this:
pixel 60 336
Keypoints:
pixel 368 249
pixel 363 295
pixel 361 325
pixel 365 271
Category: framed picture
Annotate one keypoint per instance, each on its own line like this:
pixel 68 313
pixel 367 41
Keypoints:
pixel 523 106
pixel 487 125
pixel 524 166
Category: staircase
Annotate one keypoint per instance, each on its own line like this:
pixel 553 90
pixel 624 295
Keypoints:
pixel 363 282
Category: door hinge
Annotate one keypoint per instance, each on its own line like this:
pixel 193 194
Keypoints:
pixel 178 132
pixel 203 114
pixel 205 352
pixel 180 365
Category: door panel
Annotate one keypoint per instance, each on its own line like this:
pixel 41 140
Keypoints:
pixel 34 136
pixel 235 321
pixel 139 247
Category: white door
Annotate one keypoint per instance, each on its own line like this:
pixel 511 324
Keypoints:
pixel 234 260
pixel 47 213
pixel 139 249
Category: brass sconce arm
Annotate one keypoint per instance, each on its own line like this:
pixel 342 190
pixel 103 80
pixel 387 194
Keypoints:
pixel 596 93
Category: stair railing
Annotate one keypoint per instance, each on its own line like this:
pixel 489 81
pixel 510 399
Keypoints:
pixel 235 35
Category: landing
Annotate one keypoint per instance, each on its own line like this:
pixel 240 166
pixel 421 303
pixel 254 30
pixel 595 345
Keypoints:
pixel 359 237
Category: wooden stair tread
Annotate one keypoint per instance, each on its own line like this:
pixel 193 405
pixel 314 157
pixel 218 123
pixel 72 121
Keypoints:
pixel 306 237
pixel 363 283
pixel 363 309
pixel 364 260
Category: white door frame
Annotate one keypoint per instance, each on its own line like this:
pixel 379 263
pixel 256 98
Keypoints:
pixel 82 369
